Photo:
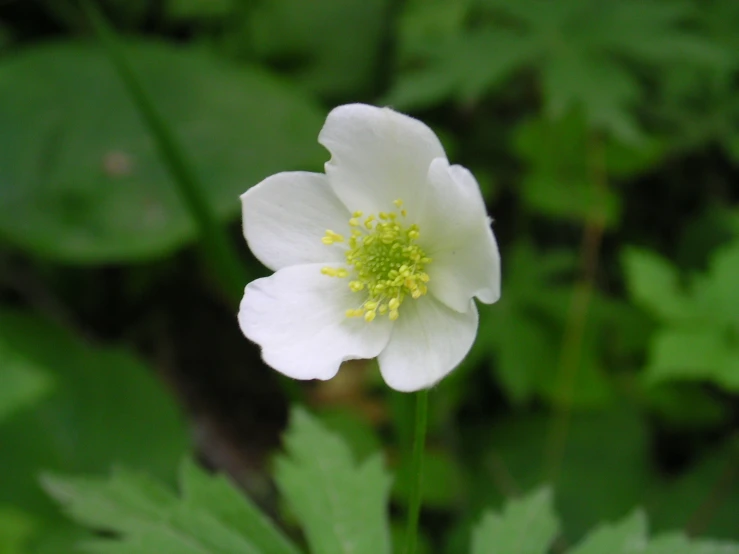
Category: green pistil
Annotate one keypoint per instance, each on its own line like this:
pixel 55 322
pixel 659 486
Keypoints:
pixel 384 261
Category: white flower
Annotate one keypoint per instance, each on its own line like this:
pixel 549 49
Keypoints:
pixel 380 257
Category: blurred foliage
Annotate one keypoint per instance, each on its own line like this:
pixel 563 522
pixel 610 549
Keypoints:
pixel 209 515
pixel 83 181
pixel 605 136
pixel 101 406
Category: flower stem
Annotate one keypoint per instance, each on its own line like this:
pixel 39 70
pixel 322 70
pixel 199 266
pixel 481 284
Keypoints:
pixel 221 253
pixel 419 441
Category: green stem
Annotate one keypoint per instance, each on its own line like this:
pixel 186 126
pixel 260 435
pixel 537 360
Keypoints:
pixel 221 254
pixel 419 441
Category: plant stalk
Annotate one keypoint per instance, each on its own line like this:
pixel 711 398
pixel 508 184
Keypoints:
pixel 218 249
pixel 419 443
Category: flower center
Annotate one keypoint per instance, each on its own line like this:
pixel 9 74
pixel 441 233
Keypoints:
pixel 384 261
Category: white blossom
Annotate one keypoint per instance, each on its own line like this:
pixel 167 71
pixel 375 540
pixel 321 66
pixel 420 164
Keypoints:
pixel 381 256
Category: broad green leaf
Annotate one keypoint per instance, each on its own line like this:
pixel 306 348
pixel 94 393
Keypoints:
pixel 23 383
pixel 210 517
pixel 106 408
pixel 525 526
pixel 341 505
pixel 81 179
pixel 655 284
pixel 628 536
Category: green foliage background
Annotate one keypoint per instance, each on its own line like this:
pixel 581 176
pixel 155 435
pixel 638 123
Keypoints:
pixel 605 136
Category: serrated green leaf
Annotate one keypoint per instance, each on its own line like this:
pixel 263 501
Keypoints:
pixel 654 32
pixel 523 333
pixel 357 431
pixel 628 536
pixel 83 182
pixel 210 518
pixel 696 354
pixel 424 22
pixel 216 495
pixel 526 526
pixel 679 544
pixel 604 91
pixel 120 503
pixel 586 493
pixel 161 542
pixel 422 88
pixel 529 526
pixel 559 181
pixel 106 407
pixel 655 284
pixel 566 199
pixel 341 505
pixel 719 288
pixel 699 339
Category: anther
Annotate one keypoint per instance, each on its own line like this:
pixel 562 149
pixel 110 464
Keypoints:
pixel 384 261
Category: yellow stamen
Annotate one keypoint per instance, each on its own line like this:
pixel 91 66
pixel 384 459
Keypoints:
pixel 385 262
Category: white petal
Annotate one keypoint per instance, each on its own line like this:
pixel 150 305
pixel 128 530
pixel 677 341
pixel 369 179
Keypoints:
pixel 456 234
pixel 298 318
pixel 428 341
pixel 377 156
pixel 286 215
